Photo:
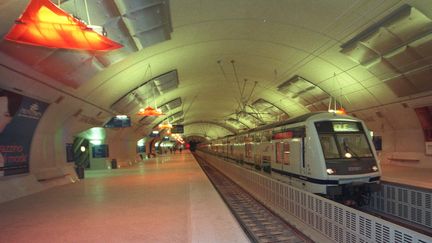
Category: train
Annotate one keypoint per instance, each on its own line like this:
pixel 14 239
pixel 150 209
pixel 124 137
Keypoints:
pixel 321 152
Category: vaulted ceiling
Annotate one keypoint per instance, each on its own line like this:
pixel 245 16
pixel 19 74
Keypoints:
pixel 220 66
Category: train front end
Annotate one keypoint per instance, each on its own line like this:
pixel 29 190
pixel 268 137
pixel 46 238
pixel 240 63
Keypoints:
pixel 350 159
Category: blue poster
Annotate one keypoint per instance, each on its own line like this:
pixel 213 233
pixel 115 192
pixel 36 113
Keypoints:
pixel 140 149
pixel 19 117
pixel 69 153
pixel 100 151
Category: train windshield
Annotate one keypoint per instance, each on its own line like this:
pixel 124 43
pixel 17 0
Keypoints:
pixel 343 140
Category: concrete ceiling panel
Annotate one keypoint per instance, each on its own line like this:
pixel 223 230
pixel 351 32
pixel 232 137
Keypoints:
pixel 269 41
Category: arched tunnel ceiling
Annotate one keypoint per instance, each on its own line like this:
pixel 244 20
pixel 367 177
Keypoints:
pixel 242 63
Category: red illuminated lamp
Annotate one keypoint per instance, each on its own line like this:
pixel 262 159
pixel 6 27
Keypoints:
pixel 283 135
pixel 150 111
pixel 340 111
pixel 165 125
pixel 44 24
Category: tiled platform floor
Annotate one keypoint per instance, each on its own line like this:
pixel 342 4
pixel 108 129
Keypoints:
pixel 167 199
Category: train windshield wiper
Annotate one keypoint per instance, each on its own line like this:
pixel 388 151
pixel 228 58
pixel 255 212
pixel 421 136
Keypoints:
pixel 349 152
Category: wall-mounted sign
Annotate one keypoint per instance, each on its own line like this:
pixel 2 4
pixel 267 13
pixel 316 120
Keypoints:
pixel 377 141
pixel 154 134
pixel 69 153
pixel 100 151
pixel 141 149
pixel 177 129
pixel 19 117
pixel 282 135
pixel 117 122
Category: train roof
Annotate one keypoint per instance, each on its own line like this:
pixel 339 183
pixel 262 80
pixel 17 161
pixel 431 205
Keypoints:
pixel 293 120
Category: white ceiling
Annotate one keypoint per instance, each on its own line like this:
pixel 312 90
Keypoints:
pixel 215 45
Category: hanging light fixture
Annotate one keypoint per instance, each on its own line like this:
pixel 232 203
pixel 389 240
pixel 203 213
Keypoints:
pixel 149 111
pixel 165 125
pixel 45 24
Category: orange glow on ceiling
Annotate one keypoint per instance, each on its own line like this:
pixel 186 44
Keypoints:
pixel 165 125
pixel 150 111
pixel 44 24
pixel 340 111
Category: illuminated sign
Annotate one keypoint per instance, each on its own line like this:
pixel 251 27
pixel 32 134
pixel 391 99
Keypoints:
pixel 282 135
pixel 100 151
pixel 177 129
pixel 345 127
pixel 45 24
pixel 117 122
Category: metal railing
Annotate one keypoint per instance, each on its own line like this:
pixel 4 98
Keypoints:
pixel 320 219
pixel 406 202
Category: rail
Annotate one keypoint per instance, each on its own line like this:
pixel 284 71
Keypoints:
pixel 259 223
pixel 329 220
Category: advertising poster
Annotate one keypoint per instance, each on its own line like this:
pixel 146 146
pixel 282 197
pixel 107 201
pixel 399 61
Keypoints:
pixel 100 151
pixel 177 129
pixel 116 122
pixel 19 117
pixel 140 149
pixel 69 153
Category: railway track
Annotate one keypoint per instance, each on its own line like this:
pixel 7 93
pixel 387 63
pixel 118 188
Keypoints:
pixel 259 223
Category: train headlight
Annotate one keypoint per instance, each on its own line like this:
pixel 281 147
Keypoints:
pixel 330 171
pixel 348 155
pixel 375 168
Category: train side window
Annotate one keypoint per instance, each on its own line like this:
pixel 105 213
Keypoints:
pixel 286 153
pixel 282 153
pixel 279 152
pixel 248 150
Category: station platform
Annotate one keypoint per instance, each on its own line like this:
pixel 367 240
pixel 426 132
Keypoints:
pixel 410 176
pixel 163 199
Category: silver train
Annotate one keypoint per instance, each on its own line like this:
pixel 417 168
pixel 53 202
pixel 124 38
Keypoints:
pixel 323 153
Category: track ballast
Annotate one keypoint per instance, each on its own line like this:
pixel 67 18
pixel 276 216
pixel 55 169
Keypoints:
pixel 260 224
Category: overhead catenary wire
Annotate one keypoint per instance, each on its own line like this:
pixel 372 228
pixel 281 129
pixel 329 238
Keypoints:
pixel 252 91
pixel 87 12
pixel 190 105
pixel 236 78
pixel 244 86
pixel 340 91
pixel 219 62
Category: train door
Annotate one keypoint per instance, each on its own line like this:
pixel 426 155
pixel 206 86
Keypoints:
pixel 281 154
pixel 239 149
pixel 296 163
pixel 265 151
pixel 284 153
pixel 248 152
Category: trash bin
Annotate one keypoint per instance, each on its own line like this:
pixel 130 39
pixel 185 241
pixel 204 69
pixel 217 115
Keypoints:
pixel 114 164
pixel 80 172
